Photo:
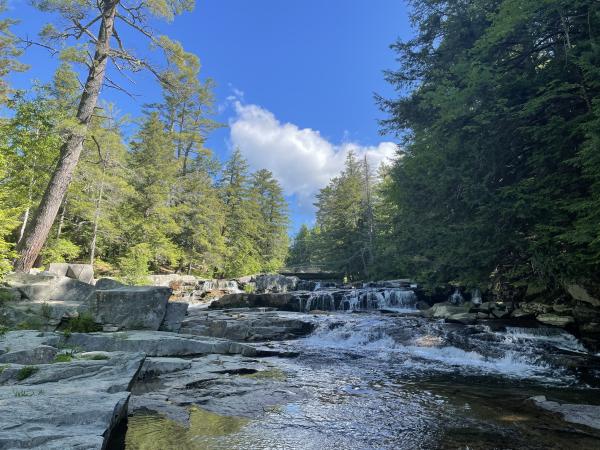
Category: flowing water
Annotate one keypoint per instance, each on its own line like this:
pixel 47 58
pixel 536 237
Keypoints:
pixel 392 381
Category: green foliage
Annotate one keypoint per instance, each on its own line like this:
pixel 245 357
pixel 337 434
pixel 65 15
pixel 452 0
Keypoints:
pixel 134 265
pixel 3 330
pixel 500 128
pixel 84 323
pixel 26 372
pixel 63 358
pixel 60 250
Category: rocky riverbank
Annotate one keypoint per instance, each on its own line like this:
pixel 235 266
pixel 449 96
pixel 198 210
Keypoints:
pixel 77 359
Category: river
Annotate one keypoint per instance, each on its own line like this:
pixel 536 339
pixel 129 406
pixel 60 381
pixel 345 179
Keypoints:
pixel 387 381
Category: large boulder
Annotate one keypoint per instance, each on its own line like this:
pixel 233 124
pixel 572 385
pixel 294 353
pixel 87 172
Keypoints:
pixel 247 325
pixel 104 284
pixel 555 320
pixel 275 283
pixel 132 307
pixel 287 302
pixel 81 272
pixel 446 310
pixel 175 313
pixel 579 292
pixel 46 287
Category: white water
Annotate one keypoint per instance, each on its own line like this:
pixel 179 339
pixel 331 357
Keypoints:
pixel 429 351
pixel 361 299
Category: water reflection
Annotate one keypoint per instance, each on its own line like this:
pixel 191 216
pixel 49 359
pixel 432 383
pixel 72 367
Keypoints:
pixel 155 432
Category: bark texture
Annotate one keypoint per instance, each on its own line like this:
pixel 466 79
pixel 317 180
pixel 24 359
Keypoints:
pixel 39 228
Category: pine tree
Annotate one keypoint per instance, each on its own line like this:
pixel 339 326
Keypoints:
pixel 273 209
pixel 242 219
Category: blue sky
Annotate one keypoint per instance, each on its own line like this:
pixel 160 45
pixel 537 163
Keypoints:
pixel 295 80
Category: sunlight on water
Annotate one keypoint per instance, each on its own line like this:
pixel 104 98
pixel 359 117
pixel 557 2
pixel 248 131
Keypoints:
pixel 155 432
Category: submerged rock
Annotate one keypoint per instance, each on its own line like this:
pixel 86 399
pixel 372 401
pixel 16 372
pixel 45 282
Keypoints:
pixel 588 415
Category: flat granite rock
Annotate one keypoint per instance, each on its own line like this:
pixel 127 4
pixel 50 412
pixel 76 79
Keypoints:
pixel 71 405
pixel 588 415
pixel 157 343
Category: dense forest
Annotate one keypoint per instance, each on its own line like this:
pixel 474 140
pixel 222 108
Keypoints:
pixel 156 200
pixel 498 120
pixel 497 173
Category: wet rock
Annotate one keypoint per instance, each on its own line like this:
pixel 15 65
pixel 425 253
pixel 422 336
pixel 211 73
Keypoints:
pixel 174 315
pixel 247 325
pixel 536 308
pixel 275 283
pixel 445 310
pixel 286 302
pixel 555 319
pixel 132 307
pixel 465 318
pixel 520 313
pixel 588 415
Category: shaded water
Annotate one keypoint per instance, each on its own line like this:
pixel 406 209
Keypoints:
pixel 382 382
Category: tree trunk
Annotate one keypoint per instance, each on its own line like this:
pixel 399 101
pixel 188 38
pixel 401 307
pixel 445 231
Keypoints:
pixel 37 233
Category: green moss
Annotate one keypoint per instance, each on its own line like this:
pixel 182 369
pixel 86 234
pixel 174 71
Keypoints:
pixel 26 372
pixel 270 374
pixel 23 393
pixel 3 330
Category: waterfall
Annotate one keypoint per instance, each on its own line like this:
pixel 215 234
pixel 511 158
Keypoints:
pixel 456 298
pixel 359 300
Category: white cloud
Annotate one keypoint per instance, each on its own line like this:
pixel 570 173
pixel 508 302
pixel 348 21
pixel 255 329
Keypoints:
pixel 300 158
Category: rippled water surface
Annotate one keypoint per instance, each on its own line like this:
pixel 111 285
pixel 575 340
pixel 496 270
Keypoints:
pixel 395 382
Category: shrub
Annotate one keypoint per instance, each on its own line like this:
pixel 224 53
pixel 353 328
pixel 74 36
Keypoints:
pixel 26 372
pixel 63 357
pixel 82 324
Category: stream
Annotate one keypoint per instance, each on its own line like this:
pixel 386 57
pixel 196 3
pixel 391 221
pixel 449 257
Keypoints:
pixel 388 381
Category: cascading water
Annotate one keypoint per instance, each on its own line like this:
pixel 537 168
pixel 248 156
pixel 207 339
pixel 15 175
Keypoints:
pixel 364 299
pixel 456 298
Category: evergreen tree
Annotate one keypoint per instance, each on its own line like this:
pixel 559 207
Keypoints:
pixel 500 132
pixel 273 210
pixel 242 219
pixel 147 216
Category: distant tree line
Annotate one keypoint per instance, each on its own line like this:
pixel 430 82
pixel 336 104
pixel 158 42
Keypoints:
pixel 499 125
pixel 159 201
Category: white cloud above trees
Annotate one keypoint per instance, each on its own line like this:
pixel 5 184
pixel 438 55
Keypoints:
pixel 300 158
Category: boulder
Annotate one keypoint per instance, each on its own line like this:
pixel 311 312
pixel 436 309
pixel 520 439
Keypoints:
pixel 81 272
pixel 579 292
pixel 445 310
pixel 465 318
pixel 287 302
pixel 132 307
pixel 555 320
pixel 44 287
pixel 247 325
pixel 104 284
pixel 275 283
pixel 175 313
